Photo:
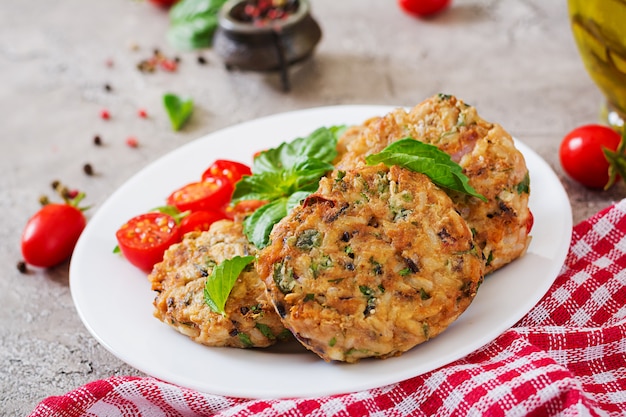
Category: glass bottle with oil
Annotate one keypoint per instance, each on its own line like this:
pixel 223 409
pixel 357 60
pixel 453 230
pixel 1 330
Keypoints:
pixel 599 28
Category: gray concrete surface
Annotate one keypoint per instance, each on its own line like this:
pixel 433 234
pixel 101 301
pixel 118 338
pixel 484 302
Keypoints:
pixel 514 60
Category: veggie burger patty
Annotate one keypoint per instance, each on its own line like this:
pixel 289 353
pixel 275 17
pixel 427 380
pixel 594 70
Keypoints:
pixel 179 280
pixel 485 151
pixel 375 262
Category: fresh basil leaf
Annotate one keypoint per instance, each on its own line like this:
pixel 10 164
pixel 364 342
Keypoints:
pixel 179 110
pixel 426 159
pixel 296 199
pixel 284 176
pixel 306 173
pixel 258 225
pixel 321 145
pixel 221 281
pixel 267 186
pixel 193 23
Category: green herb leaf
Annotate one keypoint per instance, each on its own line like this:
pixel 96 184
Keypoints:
pixel 179 110
pixel 426 159
pixel 258 225
pixel 320 145
pixel 193 23
pixel 221 281
pixel 284 176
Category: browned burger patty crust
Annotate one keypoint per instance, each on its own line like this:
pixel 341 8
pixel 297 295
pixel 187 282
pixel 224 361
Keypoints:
pixel 250 320
pixel 485 151
pixel 375 262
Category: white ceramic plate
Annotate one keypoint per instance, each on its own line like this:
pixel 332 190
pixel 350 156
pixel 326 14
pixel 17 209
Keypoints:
pixel 114 300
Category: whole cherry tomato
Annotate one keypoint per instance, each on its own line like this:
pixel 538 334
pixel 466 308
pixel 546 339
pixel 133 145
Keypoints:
pixel 164 3
pixel 423 8
pixel 582 157
pixel 144 238
pixel 210 194
pixel 51 234
pixel 231 170
pixel 199 221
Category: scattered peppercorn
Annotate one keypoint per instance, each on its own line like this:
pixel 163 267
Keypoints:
pixel 132 142
pixel 142 113
pixel 55 184
pixel 21 266
pixel 104 114
pixel 158 60
pixel 109 63
pixel 97 140
pixel 71 194
pixel 108 87
pixel 201 60
pixel 88 169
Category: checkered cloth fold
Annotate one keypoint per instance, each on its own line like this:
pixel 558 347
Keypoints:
pixel 566 357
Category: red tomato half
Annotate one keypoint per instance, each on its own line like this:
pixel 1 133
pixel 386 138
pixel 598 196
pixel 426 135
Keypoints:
pixel 210 194
pixel 243 208
pixel 199 221
pixel 144 238
pixel 582 157
pixel 51 234
pixel 230 170
pixel 423 8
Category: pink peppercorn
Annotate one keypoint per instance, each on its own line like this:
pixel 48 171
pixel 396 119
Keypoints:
pixel 104 114
pixel 168 65
pixel 142 113
pixel 132 142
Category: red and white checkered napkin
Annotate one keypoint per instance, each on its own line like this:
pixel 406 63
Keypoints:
pixel 566 357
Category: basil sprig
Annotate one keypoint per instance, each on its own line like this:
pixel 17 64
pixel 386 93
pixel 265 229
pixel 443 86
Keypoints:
pixel 284 176
pixel 193 23
pixel 221 281
pixel 426 159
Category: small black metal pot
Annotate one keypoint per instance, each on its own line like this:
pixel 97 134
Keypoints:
pixel 271 47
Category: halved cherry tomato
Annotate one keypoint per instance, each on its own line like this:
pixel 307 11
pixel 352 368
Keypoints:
pixel 530 221
pixel 51 234
pixel 210 194
pixel 243 208
pixel 144 238
pixel 582 157
pixel 423 8
pixel 230 170
pixel 200 221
